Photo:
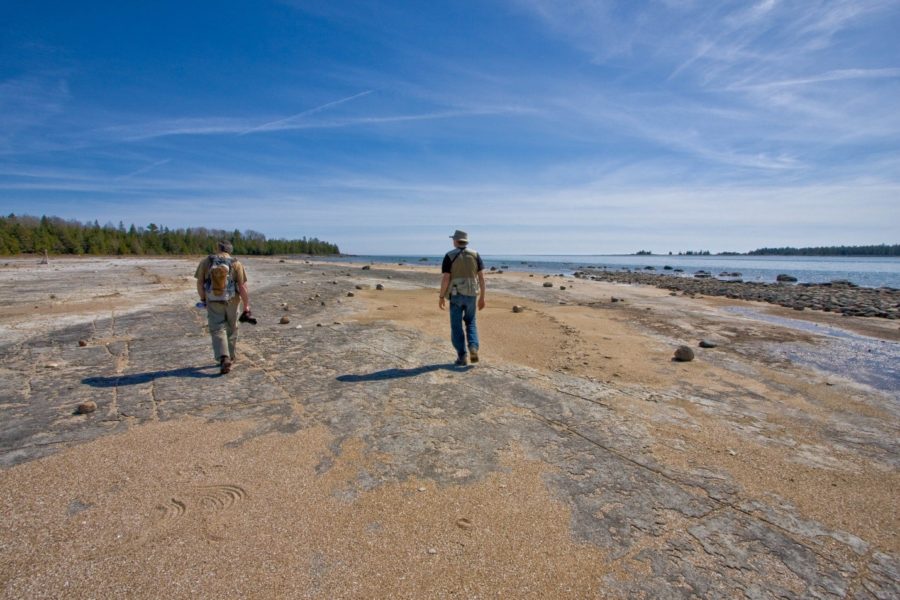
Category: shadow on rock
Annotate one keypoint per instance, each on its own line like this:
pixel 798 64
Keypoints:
pixel 139 378
pixel 399 373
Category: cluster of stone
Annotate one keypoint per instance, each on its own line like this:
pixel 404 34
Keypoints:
pixel 839 296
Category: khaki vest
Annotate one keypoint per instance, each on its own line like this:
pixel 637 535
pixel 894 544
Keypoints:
pixel 463 272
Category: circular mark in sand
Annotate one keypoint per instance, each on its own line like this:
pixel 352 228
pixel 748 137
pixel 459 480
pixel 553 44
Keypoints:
pixel 220 497
pixel 170 512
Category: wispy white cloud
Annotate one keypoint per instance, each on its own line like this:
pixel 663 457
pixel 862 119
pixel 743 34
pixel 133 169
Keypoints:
pixel 830 76
pixel 222 126
pixel 29 101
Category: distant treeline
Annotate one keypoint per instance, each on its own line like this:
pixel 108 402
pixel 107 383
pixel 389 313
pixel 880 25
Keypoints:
pixel 880 250
pixel 26 234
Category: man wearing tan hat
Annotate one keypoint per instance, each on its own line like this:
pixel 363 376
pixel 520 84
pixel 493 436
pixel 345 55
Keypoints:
pixel 461 282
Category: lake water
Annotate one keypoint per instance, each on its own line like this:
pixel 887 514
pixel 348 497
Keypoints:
pixel 863 271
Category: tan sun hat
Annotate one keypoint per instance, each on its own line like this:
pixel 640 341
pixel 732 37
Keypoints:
pixel 460 236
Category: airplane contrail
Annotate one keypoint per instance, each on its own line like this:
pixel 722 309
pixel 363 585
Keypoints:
pixel 275 124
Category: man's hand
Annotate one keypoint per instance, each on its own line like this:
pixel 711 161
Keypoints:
pixel 442 303
pixel 481 303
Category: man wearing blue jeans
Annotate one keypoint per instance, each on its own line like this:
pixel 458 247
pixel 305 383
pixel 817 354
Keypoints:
pixel 462 280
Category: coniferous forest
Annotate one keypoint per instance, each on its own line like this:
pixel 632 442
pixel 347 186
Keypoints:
pixel 27 234
pixel 879 250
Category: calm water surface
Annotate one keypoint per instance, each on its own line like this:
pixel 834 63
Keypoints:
pixel 863 271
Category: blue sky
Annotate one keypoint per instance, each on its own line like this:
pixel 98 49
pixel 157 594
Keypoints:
pixel 539 126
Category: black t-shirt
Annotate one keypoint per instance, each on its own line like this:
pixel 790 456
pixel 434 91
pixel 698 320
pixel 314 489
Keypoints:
pixel 445 267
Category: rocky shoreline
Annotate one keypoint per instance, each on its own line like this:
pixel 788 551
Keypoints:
pixel 836 296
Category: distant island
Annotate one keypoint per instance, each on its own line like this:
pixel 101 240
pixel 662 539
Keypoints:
pixel 879 250
pixel 27 235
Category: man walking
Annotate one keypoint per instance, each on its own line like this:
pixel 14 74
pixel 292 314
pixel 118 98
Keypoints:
pixel 222 286
pixel 462 280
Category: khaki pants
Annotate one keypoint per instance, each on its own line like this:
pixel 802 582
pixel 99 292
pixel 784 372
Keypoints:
pixel 222 318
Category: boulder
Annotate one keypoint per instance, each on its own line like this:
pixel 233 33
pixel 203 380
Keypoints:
pixel 366 268
pixel 684 354
pixel 285 320
pixel 548 284
pixel 379 287
pixel 786 278
pixel 517 308
pixel 86 407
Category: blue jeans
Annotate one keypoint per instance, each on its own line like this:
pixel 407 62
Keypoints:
pixel 462 310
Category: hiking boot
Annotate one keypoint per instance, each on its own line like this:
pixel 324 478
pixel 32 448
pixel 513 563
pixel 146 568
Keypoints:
pixel 224 365
pixel 460 361
pixel 473 354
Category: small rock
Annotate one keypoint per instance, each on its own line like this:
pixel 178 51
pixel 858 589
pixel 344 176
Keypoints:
pixel 362 286
pixel 732 452
pixel 518 309
pixel 53 296
pixel 284 320
pixel 707 344
pixel 548 284
pixel 432 551
pixel 684 354
pixel 281 261
pixel 379 287
pixel 421 489
pixel 350 294
pixel 86 407
pixel 285 307
pixel 82 343
pixel 366 268
pixel 299 327
pixel 319 325
pixel 562 287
